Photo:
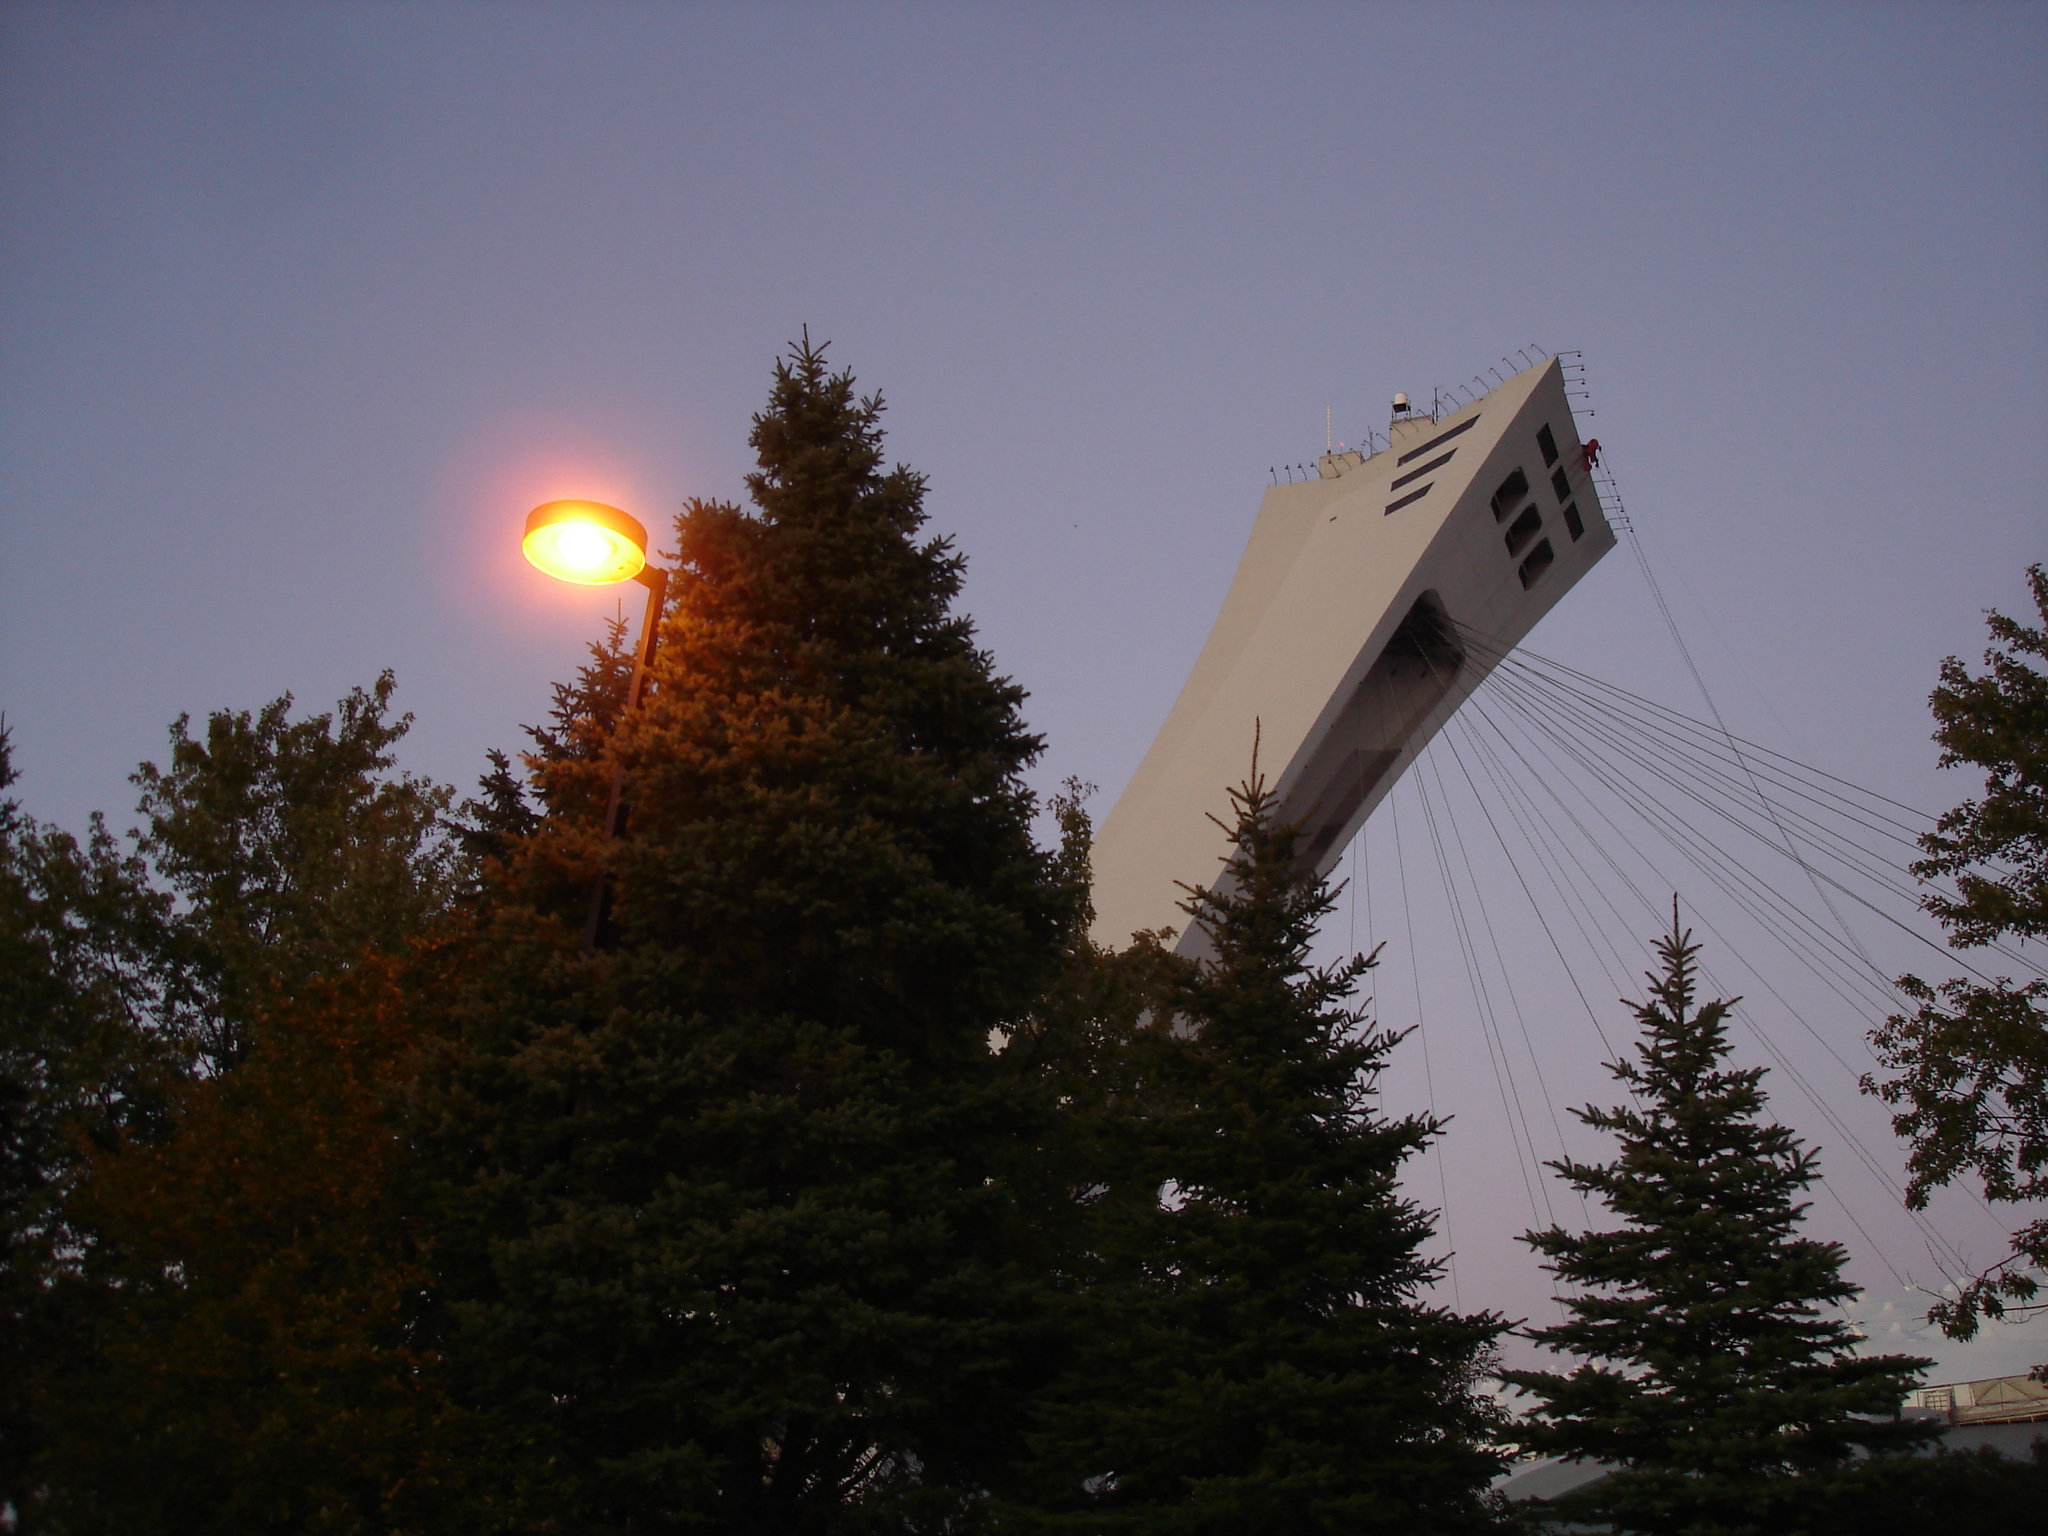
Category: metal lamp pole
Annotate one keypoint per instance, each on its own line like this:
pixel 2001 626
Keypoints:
pixel 591 544
pixel 655 579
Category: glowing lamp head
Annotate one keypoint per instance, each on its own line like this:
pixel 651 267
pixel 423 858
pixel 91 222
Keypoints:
pixel 585 542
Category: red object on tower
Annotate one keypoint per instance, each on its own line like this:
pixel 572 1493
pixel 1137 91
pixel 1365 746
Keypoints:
pixel 1589 456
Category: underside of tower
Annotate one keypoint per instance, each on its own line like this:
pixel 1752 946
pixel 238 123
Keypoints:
pixel 1368 605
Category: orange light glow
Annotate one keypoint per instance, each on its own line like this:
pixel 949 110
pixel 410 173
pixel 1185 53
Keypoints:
pixel 585 542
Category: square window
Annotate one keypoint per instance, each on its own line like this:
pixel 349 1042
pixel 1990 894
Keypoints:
pixel 1537 563
pixel 1525 528
pixel 1510 494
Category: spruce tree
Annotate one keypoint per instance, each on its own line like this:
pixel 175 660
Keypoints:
pixel 1253 1352
pixel 740 1188
pixel 1710 1377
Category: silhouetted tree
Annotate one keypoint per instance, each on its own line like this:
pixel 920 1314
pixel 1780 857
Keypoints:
pixel 1972 1058
pixel 1710 1378
pixel 745 1248
pixel 201 1035
pixel 291 847
pixel 80 1067
pixel 1253 1350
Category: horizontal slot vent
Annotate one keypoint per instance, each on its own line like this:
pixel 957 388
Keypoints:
pixel 1562 486
pixel 1573 523
pixel 1547 441
pixel 1414 495
pixel 1416 474
pixel 1438 441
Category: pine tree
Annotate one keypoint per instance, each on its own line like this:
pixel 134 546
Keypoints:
pixel 501 817
pixel 1711 1377
pixel 497 818
pixel 1254 1350
pixel 745 1230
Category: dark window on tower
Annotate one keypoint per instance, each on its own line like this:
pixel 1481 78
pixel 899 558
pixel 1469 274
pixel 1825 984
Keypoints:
pixel 1548 444
pixel 1572 523
pixel 1537 563
pixel 1510 494
pixel 1562 486
pixel 1524 530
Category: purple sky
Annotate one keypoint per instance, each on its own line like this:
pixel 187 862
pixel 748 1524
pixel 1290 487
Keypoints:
pixel 305 305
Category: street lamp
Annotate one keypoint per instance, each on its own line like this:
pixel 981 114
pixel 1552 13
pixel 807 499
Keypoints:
pixel 585 542
pixel 594 545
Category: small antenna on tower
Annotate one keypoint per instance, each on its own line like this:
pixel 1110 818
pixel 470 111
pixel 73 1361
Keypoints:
pixel 1326 427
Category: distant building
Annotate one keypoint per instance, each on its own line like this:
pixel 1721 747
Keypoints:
pixel 2006 1413
pixel 1370 601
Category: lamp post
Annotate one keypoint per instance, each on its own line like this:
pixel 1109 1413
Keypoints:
pixel 593 545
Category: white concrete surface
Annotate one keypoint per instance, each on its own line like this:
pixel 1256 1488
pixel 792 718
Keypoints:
pixel 1362 614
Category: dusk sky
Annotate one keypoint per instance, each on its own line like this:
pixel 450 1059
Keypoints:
pixel 305 305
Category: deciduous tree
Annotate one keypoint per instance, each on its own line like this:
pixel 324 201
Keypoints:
pixel 200 1037
pixel 1971 1060
pixel 258 1280
pixel 80 946
pixel 291 846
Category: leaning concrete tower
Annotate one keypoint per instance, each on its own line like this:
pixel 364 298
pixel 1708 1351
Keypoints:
pixel 1367 606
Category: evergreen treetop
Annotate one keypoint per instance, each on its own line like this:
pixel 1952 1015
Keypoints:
pixel 816 694
pixel 738 1238
pixel 1711 1376
pixel 1253 1351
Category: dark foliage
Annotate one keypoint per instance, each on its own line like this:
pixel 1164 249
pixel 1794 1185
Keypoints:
pixel 156 1197
pixel 1710 1376
pixel 498 817
pixel 251 1302
pixel 1251 1349
pixel 1971 1060
pixel 744 1248
pixel 291 848
pixel 1974 1490
pixel 80 948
